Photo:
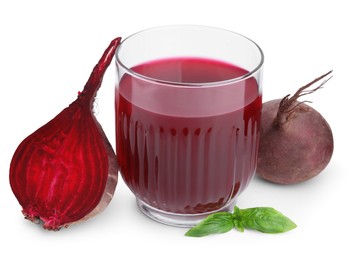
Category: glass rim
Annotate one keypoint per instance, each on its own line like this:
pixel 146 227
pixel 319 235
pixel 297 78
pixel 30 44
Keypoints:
pixel 190 84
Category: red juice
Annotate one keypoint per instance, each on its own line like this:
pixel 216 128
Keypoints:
pixel 187 148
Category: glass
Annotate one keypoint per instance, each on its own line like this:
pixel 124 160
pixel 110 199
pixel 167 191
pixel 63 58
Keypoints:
pixel 188 102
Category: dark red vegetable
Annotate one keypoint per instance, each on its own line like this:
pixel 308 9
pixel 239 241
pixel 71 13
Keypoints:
pixel 67 171
pixel 296 142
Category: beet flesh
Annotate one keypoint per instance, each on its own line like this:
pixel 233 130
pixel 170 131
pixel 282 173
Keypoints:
pixel 66 171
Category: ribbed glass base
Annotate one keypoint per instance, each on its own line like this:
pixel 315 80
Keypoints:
pixel 178 220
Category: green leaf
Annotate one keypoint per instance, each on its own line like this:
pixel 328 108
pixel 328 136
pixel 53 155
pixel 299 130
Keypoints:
pixel 265 219
pixel 216 223
pixel 237 219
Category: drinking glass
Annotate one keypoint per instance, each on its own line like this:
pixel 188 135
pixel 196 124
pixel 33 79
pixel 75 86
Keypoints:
pixel 188 101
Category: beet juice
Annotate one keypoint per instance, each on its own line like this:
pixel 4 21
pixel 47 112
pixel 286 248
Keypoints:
pixel 188 100
pixel 184 147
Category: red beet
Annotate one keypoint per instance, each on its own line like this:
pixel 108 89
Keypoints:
pixel 296 142
pixel 66 171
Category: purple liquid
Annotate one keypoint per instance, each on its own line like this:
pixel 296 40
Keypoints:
pixel 187 150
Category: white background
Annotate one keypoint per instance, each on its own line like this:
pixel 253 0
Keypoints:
pixel 47 51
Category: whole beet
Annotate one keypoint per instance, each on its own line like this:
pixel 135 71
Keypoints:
pixel 296 142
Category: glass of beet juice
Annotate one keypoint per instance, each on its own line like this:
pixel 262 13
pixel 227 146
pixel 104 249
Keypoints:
pixel 188 104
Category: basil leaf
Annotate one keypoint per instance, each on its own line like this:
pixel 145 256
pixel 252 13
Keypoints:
pixel 216 223
pixel 265 219
pixel 237 219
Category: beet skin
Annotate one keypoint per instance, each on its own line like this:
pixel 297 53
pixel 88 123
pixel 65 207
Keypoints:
pixel 297 149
